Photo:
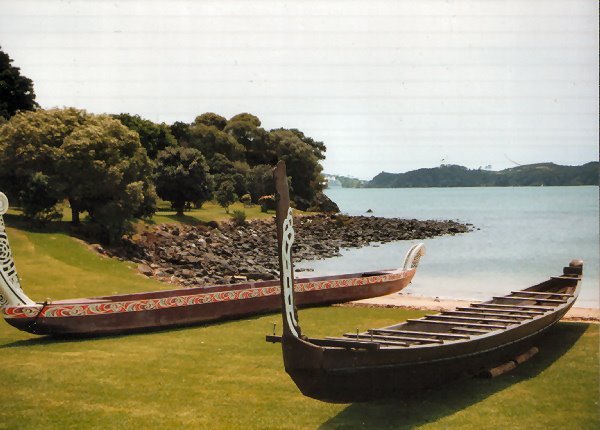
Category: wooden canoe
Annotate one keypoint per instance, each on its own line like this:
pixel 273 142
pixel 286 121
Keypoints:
pixel 400 359
pixel 180 307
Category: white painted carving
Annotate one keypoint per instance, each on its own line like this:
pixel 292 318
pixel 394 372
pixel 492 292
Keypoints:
pixel 286 258
pixel 11 293
pixel 413 256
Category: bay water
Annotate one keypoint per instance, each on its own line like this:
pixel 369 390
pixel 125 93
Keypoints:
pixel 522 236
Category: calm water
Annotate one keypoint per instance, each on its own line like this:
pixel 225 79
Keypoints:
pixel 525 235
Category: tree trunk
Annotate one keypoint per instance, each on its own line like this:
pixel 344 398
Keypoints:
pixel 74 213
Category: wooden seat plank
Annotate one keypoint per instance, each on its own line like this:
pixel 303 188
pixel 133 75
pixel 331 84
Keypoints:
pixel 532 299
pixel 404 338
pixel 494 320
pixel 491 308
pixel 488 314
pixel 502 305
pixel 458 323
pixel 542 292
pixel 469 330
pixel 423 333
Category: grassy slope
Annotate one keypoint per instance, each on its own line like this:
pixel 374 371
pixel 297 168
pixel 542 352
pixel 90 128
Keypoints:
pixel 226 376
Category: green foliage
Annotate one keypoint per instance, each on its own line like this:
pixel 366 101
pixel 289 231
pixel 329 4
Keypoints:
pixel 211 141
pixel 16 90
pixel 182 176
pixel 211 119
pixel 181 132
pixel 239 217
pixel 225 194
pixel 246 199
pixel 154 137
pixel 260 181
pixel 39 200
pixel 94 161
pixel 267 202
pixel 302 165
pixel 246 130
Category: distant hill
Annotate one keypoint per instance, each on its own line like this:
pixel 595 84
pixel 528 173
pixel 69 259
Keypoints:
pixel 546 174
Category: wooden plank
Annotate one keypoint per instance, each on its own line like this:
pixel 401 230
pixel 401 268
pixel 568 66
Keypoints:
pixel 458 323
pixel 532 299
pixel 330 341
pixel 377 339
pixel 499 370
pixel 343 343
pixel 501 305
pixel 495 320
pixel 423 333
pixel 488 314
pixel 486 308
pixel 407 338
pixel 565 278
pixel 542 292
pixel 470 330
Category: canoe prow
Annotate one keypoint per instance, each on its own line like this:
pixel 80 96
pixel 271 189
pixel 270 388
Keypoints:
pixel 11 293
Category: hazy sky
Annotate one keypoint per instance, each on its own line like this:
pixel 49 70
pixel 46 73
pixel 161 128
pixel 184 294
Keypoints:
pixel 387 85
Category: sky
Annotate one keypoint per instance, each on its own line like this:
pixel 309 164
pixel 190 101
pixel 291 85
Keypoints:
pixel 387 85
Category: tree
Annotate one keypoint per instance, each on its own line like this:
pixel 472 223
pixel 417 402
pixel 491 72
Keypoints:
pixel 182 176
pixel 260 181
pixel 209 140
pixel 246 131
pixel 16 91
pixel 154 137
pixel 94 161
pixel 211 119
pixel 302 165
pixel 181 131
pixel 225 195
pixel 318 147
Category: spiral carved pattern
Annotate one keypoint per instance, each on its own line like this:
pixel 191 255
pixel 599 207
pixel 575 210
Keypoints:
pixel 3 203
pixel 82 309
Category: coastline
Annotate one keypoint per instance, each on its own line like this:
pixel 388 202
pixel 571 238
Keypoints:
pixel 407 301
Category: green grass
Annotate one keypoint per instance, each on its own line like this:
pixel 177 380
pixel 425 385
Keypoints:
pixel 210 211
pixel 225 376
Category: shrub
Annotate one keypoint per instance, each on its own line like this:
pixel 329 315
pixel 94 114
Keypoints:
pixel 239 217
pixel 267 203
pixel 246 199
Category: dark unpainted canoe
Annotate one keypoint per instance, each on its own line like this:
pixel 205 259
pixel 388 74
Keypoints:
pixel 401 359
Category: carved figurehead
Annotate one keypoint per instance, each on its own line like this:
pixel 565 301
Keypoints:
pixel 11 293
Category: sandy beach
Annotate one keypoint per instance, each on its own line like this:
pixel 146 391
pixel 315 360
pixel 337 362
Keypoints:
pixel 408 301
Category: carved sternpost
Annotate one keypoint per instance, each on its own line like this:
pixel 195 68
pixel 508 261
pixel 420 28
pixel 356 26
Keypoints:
pixel 11 293
pixel 285 236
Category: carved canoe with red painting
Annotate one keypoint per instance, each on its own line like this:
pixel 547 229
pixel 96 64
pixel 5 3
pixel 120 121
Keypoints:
pixel 181 307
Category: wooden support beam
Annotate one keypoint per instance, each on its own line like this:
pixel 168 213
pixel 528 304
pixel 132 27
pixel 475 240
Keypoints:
pixel 470 330
pixel 406 338
pixel 494 320
pixel 343 343
pixel 501 305
pixel 458 323
pixel 507 311
pixel 532 299
pixel 488 314
pixel 542 292
pixel 423 333
pixel 377 339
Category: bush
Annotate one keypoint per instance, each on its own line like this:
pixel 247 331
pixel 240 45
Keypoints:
pixel 239 217
pixel 246 199
pixel 267 203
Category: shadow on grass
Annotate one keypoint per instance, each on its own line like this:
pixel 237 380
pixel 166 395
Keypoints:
pixel 22 223
pixel 429 406
pixel 183 219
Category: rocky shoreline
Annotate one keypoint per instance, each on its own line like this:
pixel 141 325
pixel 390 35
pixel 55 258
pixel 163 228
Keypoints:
pixel 203 255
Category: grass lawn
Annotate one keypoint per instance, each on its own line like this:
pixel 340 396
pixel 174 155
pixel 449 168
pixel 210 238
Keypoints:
pixel 225 376
pixel 210 211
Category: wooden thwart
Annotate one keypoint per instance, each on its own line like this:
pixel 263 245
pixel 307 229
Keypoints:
pixel 533 299
pixel 470 330
pixel 403 338
pixel 542 292
pixel 336 342
pixel 476 312
pixel 483 318
pixel 506 311
pixel 501 305
pixel 378 339
pixel 424 333
pixel 458 323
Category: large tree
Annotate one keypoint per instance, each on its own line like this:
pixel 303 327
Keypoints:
pixel 154 137
pixel 94 161
pixel 182 176
pixel 16 90
pixel 209 140
pixel 246 130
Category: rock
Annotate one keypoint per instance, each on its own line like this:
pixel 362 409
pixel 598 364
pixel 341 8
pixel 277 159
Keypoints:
pixel 369 211
pixel 145 270
pixel 322 203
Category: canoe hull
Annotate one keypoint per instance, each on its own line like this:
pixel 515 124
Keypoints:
pixel 159 310
pixel 402 372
